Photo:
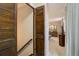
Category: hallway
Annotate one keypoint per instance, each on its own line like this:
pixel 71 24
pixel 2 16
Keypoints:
pixel 28 29
pixel 54 47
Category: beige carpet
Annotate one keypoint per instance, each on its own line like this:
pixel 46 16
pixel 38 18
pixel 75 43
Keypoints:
pixel 54 47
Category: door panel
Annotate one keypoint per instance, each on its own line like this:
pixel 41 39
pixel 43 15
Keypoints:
pixel 39 13
pixel 7 29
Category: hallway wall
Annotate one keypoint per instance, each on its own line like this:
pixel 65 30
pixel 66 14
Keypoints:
pixel 24 26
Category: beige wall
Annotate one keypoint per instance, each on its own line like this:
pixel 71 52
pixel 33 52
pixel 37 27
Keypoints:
pixel 24 26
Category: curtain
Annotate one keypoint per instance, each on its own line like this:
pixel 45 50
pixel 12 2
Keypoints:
pixel 72 29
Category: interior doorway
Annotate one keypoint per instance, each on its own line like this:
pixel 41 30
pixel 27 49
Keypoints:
pixel 57 28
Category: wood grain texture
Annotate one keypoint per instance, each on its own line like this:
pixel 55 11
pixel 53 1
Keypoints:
pixel 40 31
pixel 7 29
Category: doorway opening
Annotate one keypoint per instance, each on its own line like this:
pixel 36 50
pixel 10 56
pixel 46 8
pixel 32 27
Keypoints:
pixel 57 28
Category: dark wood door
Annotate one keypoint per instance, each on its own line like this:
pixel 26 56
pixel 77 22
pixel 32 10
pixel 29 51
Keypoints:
pixel 7 29
pixel 39 12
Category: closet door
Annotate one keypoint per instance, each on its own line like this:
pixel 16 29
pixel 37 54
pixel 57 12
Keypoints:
pixel 7 29
pixel 39 21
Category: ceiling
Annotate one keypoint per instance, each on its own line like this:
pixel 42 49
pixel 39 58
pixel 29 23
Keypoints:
pixel 36 4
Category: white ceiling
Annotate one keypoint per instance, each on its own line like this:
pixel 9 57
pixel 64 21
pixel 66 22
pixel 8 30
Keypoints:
pixel 36 4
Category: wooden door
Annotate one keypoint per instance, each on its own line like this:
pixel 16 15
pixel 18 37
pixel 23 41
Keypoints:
pixel 7 29
pixel 39 23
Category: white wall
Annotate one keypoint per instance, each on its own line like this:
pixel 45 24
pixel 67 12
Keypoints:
pixel 24 26
pixel 55 10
